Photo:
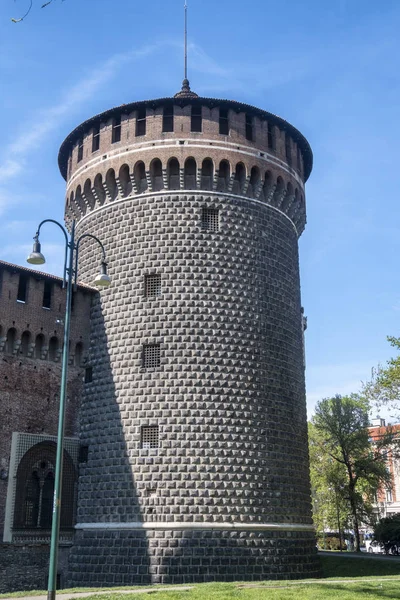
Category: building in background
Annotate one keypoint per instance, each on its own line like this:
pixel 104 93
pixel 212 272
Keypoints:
pixel 32 306
pixel 387 500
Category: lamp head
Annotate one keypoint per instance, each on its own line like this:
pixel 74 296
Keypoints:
pixel 102 279
pixel 36 257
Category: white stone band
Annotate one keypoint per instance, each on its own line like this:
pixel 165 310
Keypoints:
pixel 169 525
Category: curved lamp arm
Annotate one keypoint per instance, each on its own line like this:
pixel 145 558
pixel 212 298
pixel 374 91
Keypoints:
pixel 67 244
pixel 87 235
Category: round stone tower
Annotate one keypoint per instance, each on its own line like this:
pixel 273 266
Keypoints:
pixel 193 413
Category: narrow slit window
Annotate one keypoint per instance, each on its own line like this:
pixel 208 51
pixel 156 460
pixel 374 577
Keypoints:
pixel 47 294
pixel 168 118
pixel 271 138
pixel 288 149
pixel 141 122
pixel 249 128
pixel 152 285
pixel 196 123
pixel 223 121
pixel 80 150
pixel 83 455
pixel 210 219
pixel 22 288
pixel 298 159
pixel 96 139
pixel 88 374
pixel 149 437
pixel 151 357
pixel 116 130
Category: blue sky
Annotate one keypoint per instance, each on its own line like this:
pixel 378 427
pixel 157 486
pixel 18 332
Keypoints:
pixel 330 68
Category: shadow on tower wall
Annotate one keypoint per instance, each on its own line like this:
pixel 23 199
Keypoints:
pixel 104 552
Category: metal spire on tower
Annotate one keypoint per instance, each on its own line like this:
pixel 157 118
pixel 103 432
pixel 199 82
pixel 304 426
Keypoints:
pixel 185 75
pixel 186 91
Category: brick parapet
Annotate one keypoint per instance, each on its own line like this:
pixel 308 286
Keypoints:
pixel 32 317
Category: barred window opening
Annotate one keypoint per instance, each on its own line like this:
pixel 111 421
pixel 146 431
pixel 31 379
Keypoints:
pixel 210 219
pixel 151 356
pixel 152 285
pixel 149 437
pixel 35 489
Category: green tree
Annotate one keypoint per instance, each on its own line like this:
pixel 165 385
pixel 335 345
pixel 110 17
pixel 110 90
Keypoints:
pixel 342 424
pixel 328 479
pixel 384 387
pixel 387 533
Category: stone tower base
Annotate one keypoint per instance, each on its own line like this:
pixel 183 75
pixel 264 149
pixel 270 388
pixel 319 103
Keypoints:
pixel 128 557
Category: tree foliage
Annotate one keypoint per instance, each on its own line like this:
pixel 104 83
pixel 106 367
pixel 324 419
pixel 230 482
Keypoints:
pixel 384 387
pixel 328 478
pixel 387 534
pixel 359 467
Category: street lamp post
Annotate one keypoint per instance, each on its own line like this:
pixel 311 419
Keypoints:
pixel 69 278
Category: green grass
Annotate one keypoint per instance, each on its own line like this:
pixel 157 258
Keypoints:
pixel 374 579
pixel 338 566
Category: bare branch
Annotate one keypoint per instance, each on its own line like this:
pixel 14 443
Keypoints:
pixel 29 10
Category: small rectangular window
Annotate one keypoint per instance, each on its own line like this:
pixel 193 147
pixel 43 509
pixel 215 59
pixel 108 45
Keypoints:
pixel 151 356
pixel 88 374
pixel 48 286
pixel 210 219
pixel 80 150
pixel 168 118
pixel 96 139
pixel 271 137
pixel 249 128
pixel 1 281
pixel 22 287
pixel 223 121
pixel 152 285
pixel 149 437
pixel 288 149
pixel 298 159
pixel 116 130
pixel 196 122
pixel 141 122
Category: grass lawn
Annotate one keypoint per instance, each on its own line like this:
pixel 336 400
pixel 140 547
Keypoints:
pixel 342 566
pixel 373 579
